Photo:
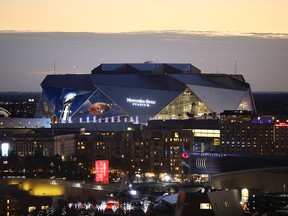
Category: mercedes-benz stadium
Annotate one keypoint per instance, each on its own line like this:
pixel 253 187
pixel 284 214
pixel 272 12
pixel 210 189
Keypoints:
pixel 120 92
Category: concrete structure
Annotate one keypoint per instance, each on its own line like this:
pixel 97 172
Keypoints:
pixel 217 203
pixel 56 189
pixel 26 141
pixel 257 181
pixel 64 145
pixel 16 201
pixel 215 163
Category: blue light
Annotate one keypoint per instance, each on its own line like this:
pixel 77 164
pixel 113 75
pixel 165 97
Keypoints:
pixel 262 121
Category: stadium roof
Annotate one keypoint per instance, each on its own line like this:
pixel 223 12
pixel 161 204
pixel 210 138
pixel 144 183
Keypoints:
pixel 173 90
pixel 147 67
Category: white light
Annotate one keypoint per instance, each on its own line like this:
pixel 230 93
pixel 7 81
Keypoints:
pixel 140 102
pixel 166 178
pixel 77 185
pixel 98 187
pixel 133 192
pixel 5 149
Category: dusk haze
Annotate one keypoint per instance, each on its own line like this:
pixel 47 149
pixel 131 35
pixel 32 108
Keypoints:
pixel 244 37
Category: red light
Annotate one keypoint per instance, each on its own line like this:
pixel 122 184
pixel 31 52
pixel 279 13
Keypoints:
pixel 102 171
pixel 185 155
pixel 281 124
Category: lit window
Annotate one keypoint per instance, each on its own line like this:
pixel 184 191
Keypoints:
pixel 205 206
pixel 31 208
pixel 44 207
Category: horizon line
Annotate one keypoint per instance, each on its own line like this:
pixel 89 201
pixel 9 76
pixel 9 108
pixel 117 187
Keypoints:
pixel 266 35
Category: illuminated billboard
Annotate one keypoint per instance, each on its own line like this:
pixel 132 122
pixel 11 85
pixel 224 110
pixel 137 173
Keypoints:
pixel 102 171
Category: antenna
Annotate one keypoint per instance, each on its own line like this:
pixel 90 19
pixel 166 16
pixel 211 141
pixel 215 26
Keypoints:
pixel 202 63
pixel 54 65
pixel 235 65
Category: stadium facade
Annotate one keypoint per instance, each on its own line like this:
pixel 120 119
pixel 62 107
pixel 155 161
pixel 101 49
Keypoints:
pixel 140 92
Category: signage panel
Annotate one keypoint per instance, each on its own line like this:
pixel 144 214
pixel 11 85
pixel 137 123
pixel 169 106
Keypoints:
pixel 102 171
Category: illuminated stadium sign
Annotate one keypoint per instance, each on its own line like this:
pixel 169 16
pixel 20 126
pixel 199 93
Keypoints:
pixel 140 102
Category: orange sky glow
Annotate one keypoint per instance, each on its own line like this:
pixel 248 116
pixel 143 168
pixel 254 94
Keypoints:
pixel 262 16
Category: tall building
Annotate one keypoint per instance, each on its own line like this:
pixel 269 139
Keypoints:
pixel 139 92
pixel 26 142
pixel 244 133
pixel 145 149
pixel 247 141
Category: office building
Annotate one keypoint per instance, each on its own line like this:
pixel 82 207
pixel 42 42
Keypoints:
pixel 244 133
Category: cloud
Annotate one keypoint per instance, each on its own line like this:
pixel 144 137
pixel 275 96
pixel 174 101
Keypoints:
pixel 166 32
pixel 206 33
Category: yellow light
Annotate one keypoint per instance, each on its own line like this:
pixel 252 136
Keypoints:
pixel 26 186
pixel 39 187
pixel 244 194
pixel 205 206
pixel 44 207
pixel 149 174
pixel 48 190
pixel 31 208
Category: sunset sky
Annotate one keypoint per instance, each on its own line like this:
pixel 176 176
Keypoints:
pixel 80 35
pixel 262 16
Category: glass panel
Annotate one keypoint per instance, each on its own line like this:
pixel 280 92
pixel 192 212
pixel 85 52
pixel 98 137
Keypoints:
pixel 186 106
pixel 246 103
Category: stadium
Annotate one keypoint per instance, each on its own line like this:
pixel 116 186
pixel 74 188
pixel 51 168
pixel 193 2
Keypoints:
pixel 139 92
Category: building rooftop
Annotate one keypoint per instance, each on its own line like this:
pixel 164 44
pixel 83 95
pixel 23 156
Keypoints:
pixel 146 67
